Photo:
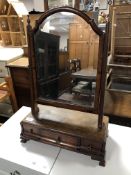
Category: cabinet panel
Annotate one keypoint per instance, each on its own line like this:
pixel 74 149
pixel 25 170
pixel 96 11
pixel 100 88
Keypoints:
pixel 118 89
pixel 14 24
pixel 83 44
pixel 85 55
pixel 6 38
pixel 4 24
pixel 47 59
pixel 72 50
pixel 80 50
pixel 21 82
pixel 72 32
pixel 93 50
pixel 79 32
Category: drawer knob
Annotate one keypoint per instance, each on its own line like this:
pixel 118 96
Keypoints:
pixel 89 147
pixel 31 130
pixel 58 139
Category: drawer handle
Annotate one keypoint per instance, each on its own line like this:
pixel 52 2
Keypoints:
pixel 58 139
pixel 89 147
pixel 15 173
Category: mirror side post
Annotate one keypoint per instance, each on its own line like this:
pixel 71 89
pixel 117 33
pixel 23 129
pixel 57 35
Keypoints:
pixel 46 7
pixel 34 107
pixel 103 77
pixel 77 4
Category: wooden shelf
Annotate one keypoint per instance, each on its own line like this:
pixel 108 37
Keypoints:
pixel 11 24
pixel 5 31
pixel 118 87
pixel 123 56
pixel 123 37
pixel 119 65
pixel 123 13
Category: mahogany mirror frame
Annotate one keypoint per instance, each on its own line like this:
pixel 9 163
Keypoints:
pixel 101 67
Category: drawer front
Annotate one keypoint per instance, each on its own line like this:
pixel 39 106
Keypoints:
pixel 20 77
pixel 88 146
pixel 60 138
pixel 86 143
pixel 53 137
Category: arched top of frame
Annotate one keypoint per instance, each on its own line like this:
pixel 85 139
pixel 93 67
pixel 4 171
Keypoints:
pixel 67 9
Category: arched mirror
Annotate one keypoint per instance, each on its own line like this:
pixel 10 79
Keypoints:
pixel 67 63
pixel 67 55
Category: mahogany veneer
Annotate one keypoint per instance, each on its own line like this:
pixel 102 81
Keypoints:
pixel 70 129
pixel 63 124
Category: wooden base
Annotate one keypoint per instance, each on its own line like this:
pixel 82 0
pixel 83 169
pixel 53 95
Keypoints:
pixel 61 128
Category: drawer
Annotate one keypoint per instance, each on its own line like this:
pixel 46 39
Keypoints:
pixel 20 76
pixel 53 137
pixel 91 147
pixel 60 138
pixel 88 143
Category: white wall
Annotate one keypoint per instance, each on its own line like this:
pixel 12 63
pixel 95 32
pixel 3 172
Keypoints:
pixel 29 4
pixel 38 5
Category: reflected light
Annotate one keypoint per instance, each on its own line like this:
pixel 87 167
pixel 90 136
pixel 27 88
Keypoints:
pixel 67 13
pixel 52 28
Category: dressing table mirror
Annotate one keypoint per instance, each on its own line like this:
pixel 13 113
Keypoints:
pixel 67 62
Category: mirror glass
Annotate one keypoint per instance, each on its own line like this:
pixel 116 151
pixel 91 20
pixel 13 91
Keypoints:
pixel 66 53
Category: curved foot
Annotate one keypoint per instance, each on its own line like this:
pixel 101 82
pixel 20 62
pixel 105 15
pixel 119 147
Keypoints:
pixel 102 163
pixel 23 139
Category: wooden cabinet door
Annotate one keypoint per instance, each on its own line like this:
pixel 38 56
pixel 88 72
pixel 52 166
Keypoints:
pixel 79 32
pixel 79 50
pixel 121 30
pixel 83 44
pixel 93 50
pixel 79 43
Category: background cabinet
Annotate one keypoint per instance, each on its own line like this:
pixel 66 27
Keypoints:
pixel 47 64
pixel 21 82
pixel 83 44
pixel 11 23
pixel 120 61
pixel 118 91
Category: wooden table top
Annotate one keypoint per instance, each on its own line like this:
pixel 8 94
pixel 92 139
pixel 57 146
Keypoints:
pixel 85 74
pixel 21 62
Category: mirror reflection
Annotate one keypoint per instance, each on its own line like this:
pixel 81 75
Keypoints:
pixel 66 52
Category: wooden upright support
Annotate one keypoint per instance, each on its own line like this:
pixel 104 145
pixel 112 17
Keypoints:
pixel 46 7
pixel 77 4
